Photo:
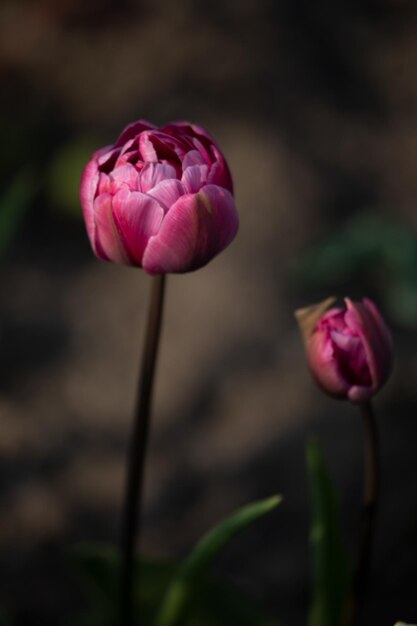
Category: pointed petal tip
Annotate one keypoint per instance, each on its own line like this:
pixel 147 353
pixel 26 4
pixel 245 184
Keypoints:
pixel 307 317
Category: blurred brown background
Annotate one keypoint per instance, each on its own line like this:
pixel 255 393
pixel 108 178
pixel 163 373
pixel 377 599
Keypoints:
pixel 315 107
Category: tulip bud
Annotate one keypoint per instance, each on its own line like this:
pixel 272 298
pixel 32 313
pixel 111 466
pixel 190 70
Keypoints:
pixel 349 351
pixel 159 198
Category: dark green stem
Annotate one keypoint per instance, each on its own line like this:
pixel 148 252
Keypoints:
pixel 137 454
pixel 370 501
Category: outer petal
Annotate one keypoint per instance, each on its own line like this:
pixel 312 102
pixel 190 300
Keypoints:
pixel 88 189
pixel 104 184
pixel 378 347
pixel 308 317
pixel 193 231
pixel 324 366
pixel 191 129
pixel 107 244
pixel 220 173
pixel 132 130
pixel 137 217
pixel 385 338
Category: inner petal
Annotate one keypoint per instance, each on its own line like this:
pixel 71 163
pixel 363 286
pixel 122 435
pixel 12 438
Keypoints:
pixel 193 157
pixel 124 175
pixel 194 177
pixel 167 192
pixel 351 357
pixel 154 173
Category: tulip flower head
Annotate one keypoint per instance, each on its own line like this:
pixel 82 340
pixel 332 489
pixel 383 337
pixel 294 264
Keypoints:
pixel 159 198
pixel 349 351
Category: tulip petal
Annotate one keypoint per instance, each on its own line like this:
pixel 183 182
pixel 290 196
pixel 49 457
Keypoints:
pixel 347 343
pixel 167 192
pixel 203 149
pixel 194 177
pixel 170 147
pixel 191 129
pixel 146 149
pixel 132 130
pixel 124 175
pixel 106 158
pixel 361 318
pixel 195 229
pixel 324 365
pixel 352 358
pixel 308 317
pixel 107 242
pixel 104 184
pixel 193 157
pixel 219 172
pixel 154 173
pixel 358 394
pixel 386 345
pixel 88 189
pixel 137 217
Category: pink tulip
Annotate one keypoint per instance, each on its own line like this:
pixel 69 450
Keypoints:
pixel 159 198
pixel 350 350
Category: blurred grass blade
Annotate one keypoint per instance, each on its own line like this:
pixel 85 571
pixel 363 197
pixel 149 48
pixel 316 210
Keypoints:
pixel 331 577
pixel 185 585
pixel 14 201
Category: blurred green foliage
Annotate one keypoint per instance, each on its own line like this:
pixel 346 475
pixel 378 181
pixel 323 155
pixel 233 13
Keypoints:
pixel 372 248
pixel 331 578
pixel 64 173
pixel 60 185
pixel 171 594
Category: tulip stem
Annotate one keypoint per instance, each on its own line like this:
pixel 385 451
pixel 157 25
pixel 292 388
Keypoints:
pixel 370 501
pixel 137 454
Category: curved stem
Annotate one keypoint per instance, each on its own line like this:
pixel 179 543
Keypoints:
pixel 370 501
pixel 137 452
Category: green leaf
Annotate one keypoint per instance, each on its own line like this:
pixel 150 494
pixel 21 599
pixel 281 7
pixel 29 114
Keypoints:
pixel 331 576
pixel 187 582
